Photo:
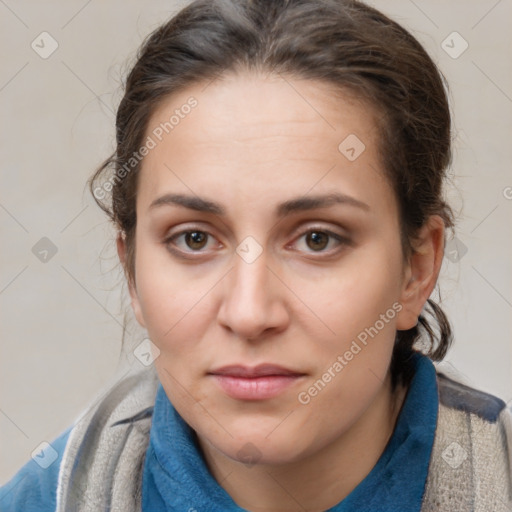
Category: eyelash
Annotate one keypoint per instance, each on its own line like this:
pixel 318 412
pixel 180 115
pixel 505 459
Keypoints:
pixel 341 240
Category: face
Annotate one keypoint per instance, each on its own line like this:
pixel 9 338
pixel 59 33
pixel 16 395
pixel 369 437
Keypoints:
pixel 268 266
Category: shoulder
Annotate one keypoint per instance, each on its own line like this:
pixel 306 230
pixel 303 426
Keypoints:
pixel 472 452
pixel 33 488
pixel 106 447
pixel 483 420
pixel 458 396
pixel 39 484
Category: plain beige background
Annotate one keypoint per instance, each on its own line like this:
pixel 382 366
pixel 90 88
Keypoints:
pixel 61 318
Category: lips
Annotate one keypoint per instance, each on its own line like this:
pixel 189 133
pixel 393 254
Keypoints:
pixel 261 382
pixel 262 370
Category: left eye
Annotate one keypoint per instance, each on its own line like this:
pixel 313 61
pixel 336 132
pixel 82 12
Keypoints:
pixel 194 239
pixel 318 239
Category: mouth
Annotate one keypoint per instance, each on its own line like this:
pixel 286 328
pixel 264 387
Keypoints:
pixel 261 382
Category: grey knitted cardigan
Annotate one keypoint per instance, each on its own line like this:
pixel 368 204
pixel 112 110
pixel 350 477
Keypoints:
pixel 470 466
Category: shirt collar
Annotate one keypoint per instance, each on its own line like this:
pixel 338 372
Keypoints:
pixel 176 477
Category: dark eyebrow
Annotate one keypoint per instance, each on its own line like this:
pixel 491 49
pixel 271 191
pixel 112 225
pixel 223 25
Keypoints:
pixel 192 202
pixel 319 201
pixel 293 205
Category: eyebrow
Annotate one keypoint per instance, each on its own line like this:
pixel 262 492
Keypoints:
pixel 286 208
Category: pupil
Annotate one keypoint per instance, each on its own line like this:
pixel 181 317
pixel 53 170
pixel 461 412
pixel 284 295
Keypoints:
pixel 196 238
pixel 317 237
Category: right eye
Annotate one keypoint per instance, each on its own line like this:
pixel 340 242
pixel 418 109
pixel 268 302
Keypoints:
pixel 188 241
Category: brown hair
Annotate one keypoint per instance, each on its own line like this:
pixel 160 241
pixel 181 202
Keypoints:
pixel 341 42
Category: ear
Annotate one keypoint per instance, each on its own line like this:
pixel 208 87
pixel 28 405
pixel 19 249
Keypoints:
pixel 121 251
pixel 421 272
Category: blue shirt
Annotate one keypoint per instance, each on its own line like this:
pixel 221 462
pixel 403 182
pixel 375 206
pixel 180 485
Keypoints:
pixel 175 477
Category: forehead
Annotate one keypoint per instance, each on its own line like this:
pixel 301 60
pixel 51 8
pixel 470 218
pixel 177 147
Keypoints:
pixel 251 105
pixel 270 133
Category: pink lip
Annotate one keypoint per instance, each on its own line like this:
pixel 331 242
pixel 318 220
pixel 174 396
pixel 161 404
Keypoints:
pixel 257 383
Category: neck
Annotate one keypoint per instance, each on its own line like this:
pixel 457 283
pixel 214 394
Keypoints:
pixel 336 470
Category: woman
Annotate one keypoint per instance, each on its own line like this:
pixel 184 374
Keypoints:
pixel 277 186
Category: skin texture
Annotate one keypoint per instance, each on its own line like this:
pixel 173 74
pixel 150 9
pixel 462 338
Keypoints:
pixel 251 143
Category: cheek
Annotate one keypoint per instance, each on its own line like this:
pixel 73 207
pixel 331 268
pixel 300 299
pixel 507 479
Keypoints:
pixel 170 309
pixel 164 295
pixel 352 364
pixel 360 305
pixel 355 296
pixel 176 304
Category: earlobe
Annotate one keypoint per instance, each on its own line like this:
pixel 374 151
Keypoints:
pixel 121 251
pixel 422 272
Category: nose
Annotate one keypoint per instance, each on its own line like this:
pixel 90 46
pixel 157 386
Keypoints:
pixel 253 300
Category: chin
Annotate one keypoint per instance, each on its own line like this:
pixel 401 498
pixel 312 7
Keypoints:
pixel 258 447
